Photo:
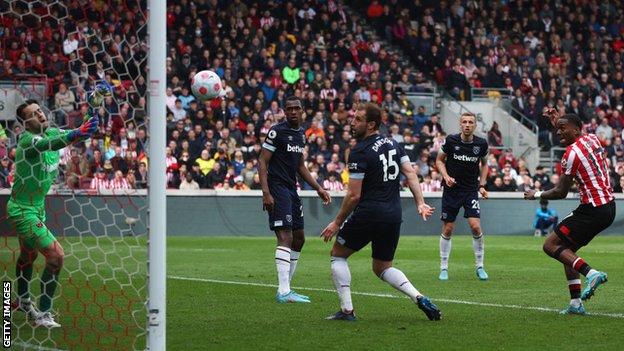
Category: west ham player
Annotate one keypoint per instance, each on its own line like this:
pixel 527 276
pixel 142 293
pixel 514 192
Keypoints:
pixel 373 197
pixel 462 161
pixel 280 161
pixel 584 162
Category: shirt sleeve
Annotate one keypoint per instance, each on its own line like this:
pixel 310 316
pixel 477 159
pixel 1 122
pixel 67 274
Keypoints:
pixel 403 158
pixel 570 162
pixel 271 141
pixel 357 165
pixel 485 150
pixel 446 147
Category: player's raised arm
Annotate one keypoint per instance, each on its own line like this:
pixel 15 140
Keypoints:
pixel 414 185
pixel 307 177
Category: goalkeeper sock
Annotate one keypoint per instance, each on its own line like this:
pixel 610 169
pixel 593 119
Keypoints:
pixel 399 281
pixel 479 249
pixel 49 282
pixel 282 261
pixel 342 281
pixel 445 251
pixel 23 272
pixel 294 258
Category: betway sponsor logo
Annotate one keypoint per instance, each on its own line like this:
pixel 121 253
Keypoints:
pixel 465 158
pixel 294 148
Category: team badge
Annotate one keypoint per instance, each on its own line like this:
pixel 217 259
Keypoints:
pixel 457 148
pixel 290 138
pixel 476 149
pixel 288 218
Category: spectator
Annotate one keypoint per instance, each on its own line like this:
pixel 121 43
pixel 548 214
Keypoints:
pixel 239 184
pixel 333 182
pixel 495 140
pixel 188 183
pixel 545 218
pixel 99 181
pixel 118 182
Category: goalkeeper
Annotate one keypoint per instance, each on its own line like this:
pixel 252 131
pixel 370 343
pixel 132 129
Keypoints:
pixel 36 168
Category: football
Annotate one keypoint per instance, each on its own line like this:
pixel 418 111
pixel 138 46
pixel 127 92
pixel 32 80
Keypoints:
pixel 206 85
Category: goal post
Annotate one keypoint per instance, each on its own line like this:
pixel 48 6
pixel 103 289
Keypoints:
pixel 111 289
pixel 157 252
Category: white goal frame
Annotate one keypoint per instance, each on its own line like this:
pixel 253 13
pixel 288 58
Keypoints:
pixel 157 222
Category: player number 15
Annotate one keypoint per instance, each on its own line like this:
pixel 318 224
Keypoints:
pixel 387 163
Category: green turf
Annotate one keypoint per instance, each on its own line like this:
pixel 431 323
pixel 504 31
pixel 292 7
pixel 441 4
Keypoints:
pixel 217 316
pixel 101 286
pixel 96 297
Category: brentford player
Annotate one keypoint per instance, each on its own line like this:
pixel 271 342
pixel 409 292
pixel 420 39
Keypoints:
pixel 584 162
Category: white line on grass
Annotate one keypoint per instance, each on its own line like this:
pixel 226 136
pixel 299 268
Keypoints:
pixel 462 302
pixel 30 346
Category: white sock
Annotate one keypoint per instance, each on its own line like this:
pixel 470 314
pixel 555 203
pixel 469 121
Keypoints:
pixel 342 281
pixel 479 249
pixel 575 302
pixel 591 271
pixel 399 281
pixel 282 261
pixel 445 251
pixel 294 258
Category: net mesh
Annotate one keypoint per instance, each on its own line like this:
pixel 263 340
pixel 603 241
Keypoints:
pixel 56 52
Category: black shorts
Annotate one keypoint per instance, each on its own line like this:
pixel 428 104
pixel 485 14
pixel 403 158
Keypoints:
pixel 584 223
pixel 452 201
pixel 384 237
pixel 288 210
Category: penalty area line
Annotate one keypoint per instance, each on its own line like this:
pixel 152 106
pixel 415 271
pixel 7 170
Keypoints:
pixel 455 301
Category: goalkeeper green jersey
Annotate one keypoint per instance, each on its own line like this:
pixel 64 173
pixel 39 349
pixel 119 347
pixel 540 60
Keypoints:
pixel 36 165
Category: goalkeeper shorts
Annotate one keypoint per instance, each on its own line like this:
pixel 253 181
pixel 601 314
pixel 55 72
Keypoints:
pixel 29 224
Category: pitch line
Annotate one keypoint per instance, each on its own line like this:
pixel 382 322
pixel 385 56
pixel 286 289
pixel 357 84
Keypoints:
pixel 456 301
pixel 30 346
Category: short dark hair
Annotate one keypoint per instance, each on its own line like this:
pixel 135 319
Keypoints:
pixel 20 109
pixel 373 113
pixel 573 119
pixel 294 98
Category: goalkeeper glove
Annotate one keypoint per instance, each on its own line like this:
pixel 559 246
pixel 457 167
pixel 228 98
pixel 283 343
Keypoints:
pixel 87 129
pixel 96 97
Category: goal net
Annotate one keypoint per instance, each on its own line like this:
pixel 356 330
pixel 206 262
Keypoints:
pixel 55 52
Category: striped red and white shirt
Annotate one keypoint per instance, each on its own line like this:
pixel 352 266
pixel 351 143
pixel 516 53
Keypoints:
pixel 97 184
pixel 332 186
pixel 585 160
pixel 118 184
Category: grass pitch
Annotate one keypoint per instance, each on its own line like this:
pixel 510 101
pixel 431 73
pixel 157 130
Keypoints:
pixel 221 297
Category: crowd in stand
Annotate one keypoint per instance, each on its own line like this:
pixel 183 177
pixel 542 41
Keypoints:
pixel 563 53
pixel 557 54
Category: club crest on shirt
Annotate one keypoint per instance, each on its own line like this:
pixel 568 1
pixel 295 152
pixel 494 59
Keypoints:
pixel 476 149
pixel 564 163
pixel 288 218
pixel 457 147
pixel 290 138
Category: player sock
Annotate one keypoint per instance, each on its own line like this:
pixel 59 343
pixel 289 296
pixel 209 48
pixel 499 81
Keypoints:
pixel 582 267
pixel 23 272
pixel 574 285
pixel 49 282
pixel 445 251
pixel 342 281
pixel 294 258
pixel 479 249
pixel 399 281
pixel 282 261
